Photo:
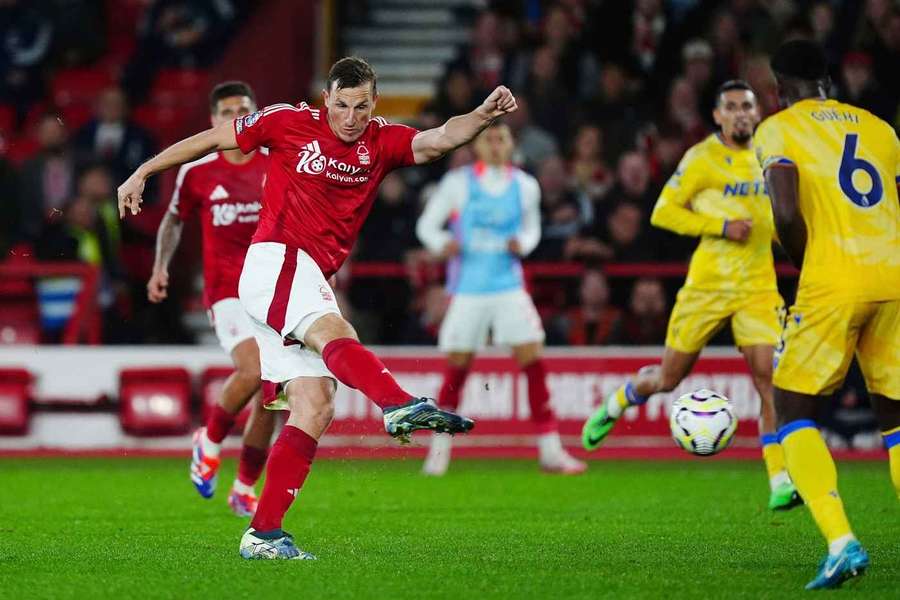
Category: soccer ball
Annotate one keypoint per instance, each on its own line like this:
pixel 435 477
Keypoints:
pixel 702 422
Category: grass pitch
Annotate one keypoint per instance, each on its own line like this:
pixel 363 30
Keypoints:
pixel 135 528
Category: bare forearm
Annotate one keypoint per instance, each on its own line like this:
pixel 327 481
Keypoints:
pixel 167 240
pixel 783 183
pixel 218 138
pixel 456 132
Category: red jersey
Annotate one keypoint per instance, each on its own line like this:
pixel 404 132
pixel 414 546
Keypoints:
pixel 228 197
pixel 319 189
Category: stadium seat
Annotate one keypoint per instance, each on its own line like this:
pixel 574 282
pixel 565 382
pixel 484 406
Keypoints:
pixel 78 86
pixel 212 381
pixel 155 401
pixel 15 395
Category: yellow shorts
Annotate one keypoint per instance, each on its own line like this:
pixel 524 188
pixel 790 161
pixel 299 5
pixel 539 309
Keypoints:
pixel 818 343
pixel 698 315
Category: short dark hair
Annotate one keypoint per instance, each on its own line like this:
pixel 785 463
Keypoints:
pixel 350 72
pixel 799 59
pixel 732 85
pixel 227 89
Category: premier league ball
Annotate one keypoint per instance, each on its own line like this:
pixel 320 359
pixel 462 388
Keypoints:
pixel 702 422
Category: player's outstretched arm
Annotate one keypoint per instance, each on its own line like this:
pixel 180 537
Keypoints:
pixel 167 239
pixel 783 182
pixel 432 144
pixel 215 139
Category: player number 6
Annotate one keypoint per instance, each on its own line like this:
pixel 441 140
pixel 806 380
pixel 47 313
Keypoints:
pixel 850 163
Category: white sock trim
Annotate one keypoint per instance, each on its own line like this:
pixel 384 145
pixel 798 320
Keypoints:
pixel 210 448
pixel 242 488
pixel 778 479
pixel 835 547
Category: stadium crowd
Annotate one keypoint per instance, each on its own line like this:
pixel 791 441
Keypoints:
pixel 610 95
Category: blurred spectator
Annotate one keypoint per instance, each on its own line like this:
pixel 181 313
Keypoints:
pixel 885 54
pixel 648 25
pixel 616 108
pixel 389 232
pixel 594 321
pixel 683 111
pixel 10 216
pixel 587 168
pixel 26 38
pixel 546 93
pixel 647 315
pixel 668 148
pixel 560 211
pixel 857 86
pixel 456 95
pixel 79 234
pixel 483 56
pixel 533 144
pixel 627 234
pixel 47 178
pixel 113 138
pixel 96 184
pixel 78 30
pixel 578 68
pixel 697 61
pixel 177 34
pixel 633 181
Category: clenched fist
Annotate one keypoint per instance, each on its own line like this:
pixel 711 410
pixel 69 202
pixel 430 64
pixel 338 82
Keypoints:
pixel 500 102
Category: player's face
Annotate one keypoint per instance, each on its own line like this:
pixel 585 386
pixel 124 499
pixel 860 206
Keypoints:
pixel 495 145
pixel 230 108
pixel 738 115
pixel 349 110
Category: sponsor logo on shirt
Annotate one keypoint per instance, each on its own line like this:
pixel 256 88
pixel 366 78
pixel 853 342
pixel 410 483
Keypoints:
pixel 313 162
pixel 225 214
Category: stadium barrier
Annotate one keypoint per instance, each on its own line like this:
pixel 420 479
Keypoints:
pixel 76 393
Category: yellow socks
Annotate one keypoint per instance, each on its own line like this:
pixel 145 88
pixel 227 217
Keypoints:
pixel 773 456
pixel 812 469
pixel 892 443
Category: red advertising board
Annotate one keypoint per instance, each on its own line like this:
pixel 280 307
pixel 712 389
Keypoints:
pixel 496 396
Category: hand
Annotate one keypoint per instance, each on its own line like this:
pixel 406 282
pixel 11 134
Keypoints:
pixel 158 286
pixel 500 102
pixel 451 249
pixel 130 194
pixel 739 230
pixel 514 247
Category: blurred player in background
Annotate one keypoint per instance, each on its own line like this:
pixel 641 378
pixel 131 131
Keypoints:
pixel 718 194
pixel 324 170
pixel 225 188
pixel 832 171
pixel 494 216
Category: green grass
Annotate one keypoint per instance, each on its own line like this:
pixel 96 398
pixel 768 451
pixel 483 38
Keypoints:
pixel 95 528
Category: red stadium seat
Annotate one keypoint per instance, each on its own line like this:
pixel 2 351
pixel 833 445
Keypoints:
pixel 79 86
pixel 15 394
pixel 155 401
pixel 7 119
pixel 212 381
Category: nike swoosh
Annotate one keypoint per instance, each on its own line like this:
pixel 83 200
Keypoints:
pixel 830 573
pixel 594 439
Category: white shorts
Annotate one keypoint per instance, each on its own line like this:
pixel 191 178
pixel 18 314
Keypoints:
pixel 285 292
pixel 231 322
pixel 510 316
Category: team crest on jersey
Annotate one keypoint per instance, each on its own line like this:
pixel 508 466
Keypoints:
pixel 362 153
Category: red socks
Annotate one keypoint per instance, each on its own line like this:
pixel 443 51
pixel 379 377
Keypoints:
pixel 289 464
pixel 539 397
pixel 218 424
pixel 454 379
pixel 251 464
pixel 355 366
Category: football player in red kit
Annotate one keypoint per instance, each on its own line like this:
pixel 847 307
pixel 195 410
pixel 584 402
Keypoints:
pixel 324 171
pixel 225 190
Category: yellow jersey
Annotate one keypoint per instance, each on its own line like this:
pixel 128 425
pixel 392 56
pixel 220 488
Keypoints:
pixel 848 162
pixel 715 183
